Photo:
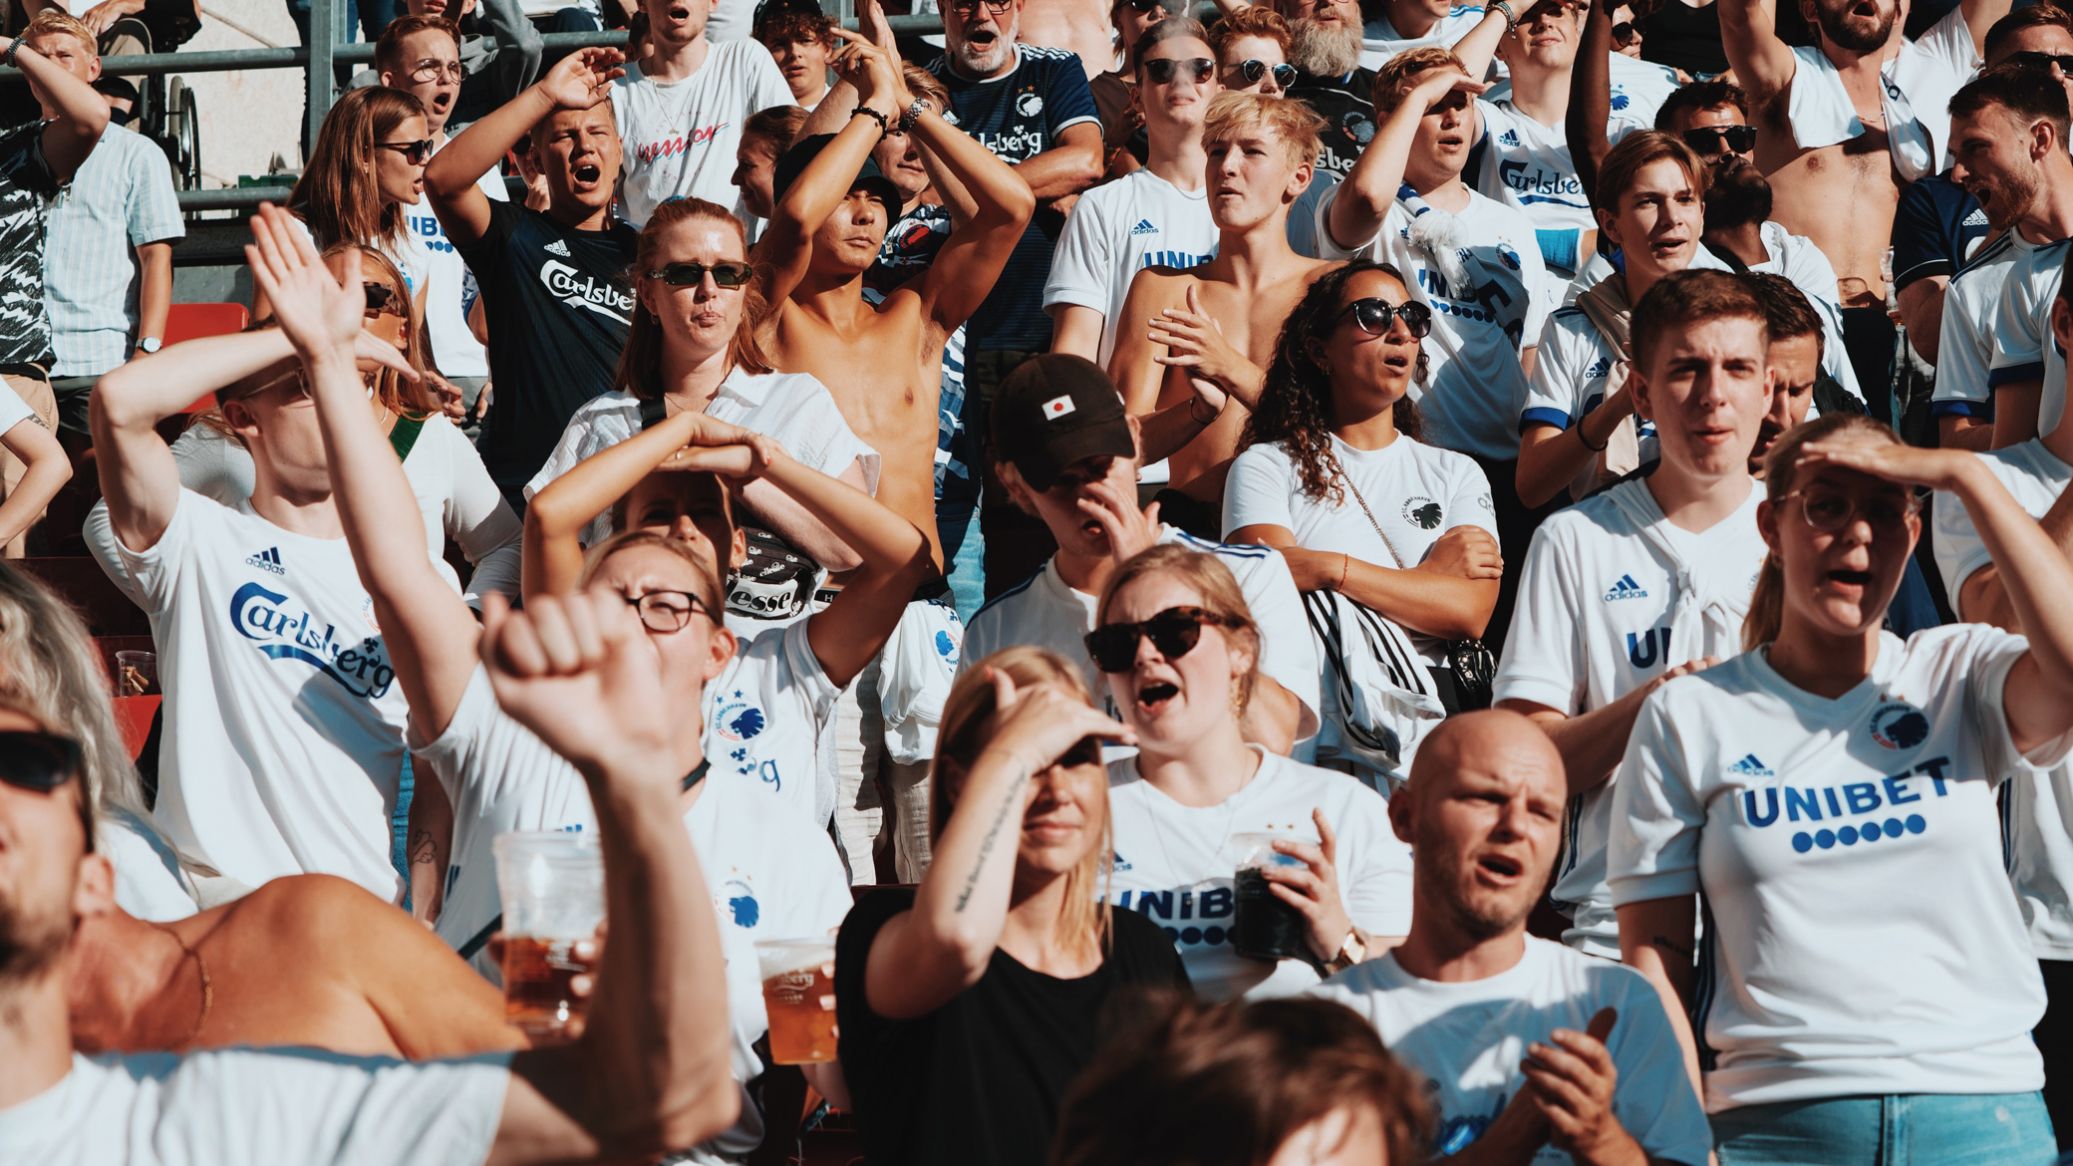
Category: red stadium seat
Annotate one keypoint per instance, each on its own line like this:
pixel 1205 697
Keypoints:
pixel 192 321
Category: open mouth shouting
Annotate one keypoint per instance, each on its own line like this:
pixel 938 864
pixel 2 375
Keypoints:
pixel 1155 697
pixel 1499 869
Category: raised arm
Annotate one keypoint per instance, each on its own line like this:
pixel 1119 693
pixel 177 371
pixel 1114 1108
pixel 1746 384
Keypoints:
pixel 556 516
pixel 81 114
pixel 1981 15
pixel 922 958
pixel 1360 203
pixel 1590 101
pixel 429 632
pixel 651 1072
pixel 577 81
pixel 1763 65
pixel 138 475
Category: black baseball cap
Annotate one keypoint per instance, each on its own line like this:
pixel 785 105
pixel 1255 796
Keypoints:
pixel 1054 410
pixel 792 163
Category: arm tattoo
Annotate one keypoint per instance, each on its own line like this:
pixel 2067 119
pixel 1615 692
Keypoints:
pixel 421 849
pixel 1682 951
pixel 986 844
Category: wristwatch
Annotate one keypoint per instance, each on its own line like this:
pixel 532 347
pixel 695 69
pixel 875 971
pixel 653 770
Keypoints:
pixel 1351 952
pixel 150 344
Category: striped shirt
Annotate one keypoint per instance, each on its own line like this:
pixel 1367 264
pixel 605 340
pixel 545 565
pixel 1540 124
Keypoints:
pixel 121 199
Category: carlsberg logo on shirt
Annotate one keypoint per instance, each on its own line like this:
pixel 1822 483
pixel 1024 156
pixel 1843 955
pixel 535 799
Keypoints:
pixel 286 631
pixel 588 292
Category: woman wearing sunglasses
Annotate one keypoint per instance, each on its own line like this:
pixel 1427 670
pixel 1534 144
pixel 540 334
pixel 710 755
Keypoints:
pixel 1335 478
pixel 1251 47
pixel 1832 794
pixel 693 348
pixel 1180 651
pixel 968 1005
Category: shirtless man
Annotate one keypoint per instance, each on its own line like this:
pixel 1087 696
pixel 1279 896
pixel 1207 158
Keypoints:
pixel 882 364
pixel 1209 330
pixel 1835 184
pixel 310 960
pixel 1077 26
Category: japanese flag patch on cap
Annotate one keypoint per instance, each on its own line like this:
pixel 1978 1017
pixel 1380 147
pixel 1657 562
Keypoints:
pixel 1058 407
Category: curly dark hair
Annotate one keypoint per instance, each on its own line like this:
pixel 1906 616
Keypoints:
pixel 1295 409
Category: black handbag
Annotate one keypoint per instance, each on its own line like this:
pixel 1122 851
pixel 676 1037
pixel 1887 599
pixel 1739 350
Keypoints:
pixel 1465 678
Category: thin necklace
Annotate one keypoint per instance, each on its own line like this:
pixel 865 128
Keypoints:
pixel 201 968
pixel 1230 816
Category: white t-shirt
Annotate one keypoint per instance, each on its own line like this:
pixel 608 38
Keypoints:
pixel 2037 814
pixel 1965 342
pixel 1416 491
pixel 227 1107
pixel 1474 382
pixel 1528 167
pixel 1176 865
pixel 1467 1039
pixel 149 883
pixel 455 496
pixel 680 139
pixel 1613 595
pixel 771 875
pixel 1117 230
pixel 283 722
pixel 1860 934
pixel 1045 611
pixel 2023 344
pixel 792 407
pixel 449 285
pixel 1379 39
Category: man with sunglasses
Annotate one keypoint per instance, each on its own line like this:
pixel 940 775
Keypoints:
pixel 2036 472
pixel 108 254
pixel 1123 144
pixel 655 1026
pixel 1847 122
pixel 2008 134
pixel 1068 457
pixel 420 55
pixel 1156 215
pixel 1650 578
pixel 554 283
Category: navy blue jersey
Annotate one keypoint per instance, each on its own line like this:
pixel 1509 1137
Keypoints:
pixel 1935 228
pixel 1019 116
pixel 1348 109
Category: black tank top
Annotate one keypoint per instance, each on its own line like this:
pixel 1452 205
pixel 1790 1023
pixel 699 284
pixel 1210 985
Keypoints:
pixel 1683 37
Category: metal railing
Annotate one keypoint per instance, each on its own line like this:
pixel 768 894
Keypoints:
pixel 329 48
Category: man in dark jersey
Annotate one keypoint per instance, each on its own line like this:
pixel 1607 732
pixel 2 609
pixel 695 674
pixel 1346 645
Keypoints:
pixel 554 282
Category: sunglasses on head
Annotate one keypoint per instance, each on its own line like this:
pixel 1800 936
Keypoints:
pixel 414 153
pixel 692 274
pixel 1710 139
pixel 1174 632
pixel 2043 60
pixel 1252 71
pixel 1372 316
pixel 1160 70
pixel 38 762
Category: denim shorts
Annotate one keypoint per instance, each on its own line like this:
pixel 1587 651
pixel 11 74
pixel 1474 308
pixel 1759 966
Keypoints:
pixel 1915 1129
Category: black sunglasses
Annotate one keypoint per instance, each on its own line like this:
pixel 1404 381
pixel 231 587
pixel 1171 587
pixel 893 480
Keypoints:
pixel 1175 632
pixel 38 762
pixel 1708 140
pixel 414 153
pixel 1144 5
pixel 379 298
pixel 2042 60
pixel 692 274
pixel 1372 316
pixel 1160 70
pixel 1625 33
pixel 1252 71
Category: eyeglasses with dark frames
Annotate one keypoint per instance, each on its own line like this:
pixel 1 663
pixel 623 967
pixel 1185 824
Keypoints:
pixel 1372 316
pixel 668 611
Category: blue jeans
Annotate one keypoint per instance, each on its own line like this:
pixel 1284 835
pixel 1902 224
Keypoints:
pixel 1916 1129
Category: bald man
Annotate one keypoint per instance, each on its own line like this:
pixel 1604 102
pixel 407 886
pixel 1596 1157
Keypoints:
pixel 1528 1044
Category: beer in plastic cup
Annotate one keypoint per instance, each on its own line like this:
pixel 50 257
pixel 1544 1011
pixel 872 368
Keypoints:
pixel 136 673
pixel 1264 927
pixel 799 997
pixel 553 886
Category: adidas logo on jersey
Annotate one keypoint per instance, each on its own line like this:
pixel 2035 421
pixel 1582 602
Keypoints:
pixel 557 247
pixel 1118 862
pixel 1508 138
pixel 1144 227
pixel 1978 218
pixel 1626 588
pixel 1599 368
pixel 1750 766
pixel 268 560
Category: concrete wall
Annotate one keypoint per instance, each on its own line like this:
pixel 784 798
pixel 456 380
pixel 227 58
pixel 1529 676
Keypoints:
pixel 247 118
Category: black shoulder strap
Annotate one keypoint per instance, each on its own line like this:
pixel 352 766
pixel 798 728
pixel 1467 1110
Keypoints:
pixel 652 412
